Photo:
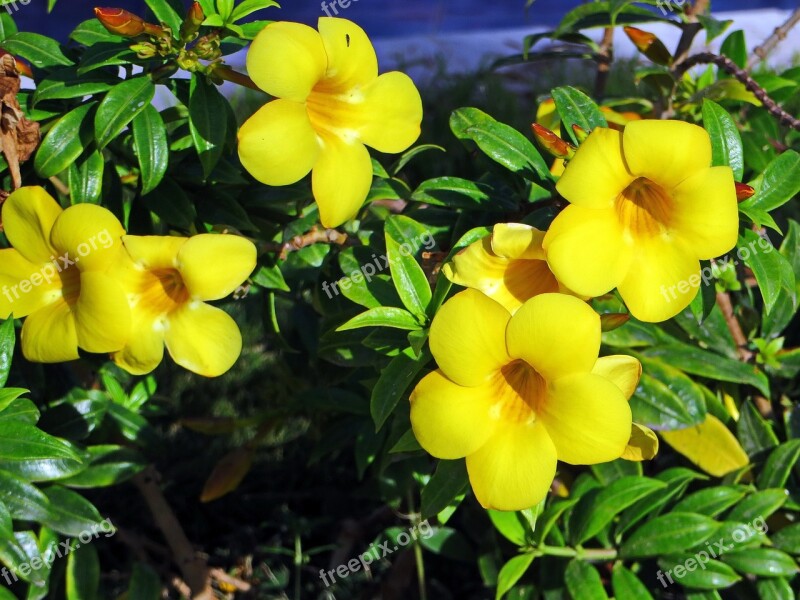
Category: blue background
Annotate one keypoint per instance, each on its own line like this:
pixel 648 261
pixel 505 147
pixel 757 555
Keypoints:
pixel 378 17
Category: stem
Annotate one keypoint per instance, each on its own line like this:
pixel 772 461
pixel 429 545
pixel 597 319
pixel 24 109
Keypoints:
pixel 590 554
pixel 760 52
pixel 418 558
pixel 229 74
pixel 604 59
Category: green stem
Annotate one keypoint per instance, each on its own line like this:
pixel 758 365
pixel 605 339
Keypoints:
pixel 590 554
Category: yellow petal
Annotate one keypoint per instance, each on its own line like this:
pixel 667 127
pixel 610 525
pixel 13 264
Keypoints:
pixel 278 145
pixel 145 348
pixel 102 314
pixel 621 370
pixel 351 57
pixel 516 240
pixel 341 180
pixel 391 113
pixel 597 174
pixel 588 250
pixel 705 212
pixel 48 335
pixel 25 287
pixel 203 339
pixel 154 251
pixel 587 417
pixel 28 217
pixel 710 445
pixel 467 338
pixel 213 266
pixel 514 469
pixel 556 334
pixel 287 60
pixel 666 152
pixel 663 279
pixel 509 282
pixel 643 444
pixel 449 420
pixel 88 234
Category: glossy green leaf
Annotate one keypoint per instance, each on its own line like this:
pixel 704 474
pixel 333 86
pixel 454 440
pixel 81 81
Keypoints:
pixel 384 316
pixel 392 385
pixel 65 141
pixel 759 504
pixel 208 126
pixel 86 178
pixel 69 513
pixel 583 581
pixel 83 572
pixel 668 534
pixel 686 570
pixel 627 586
pixel 40 50
pixel 409 279
pixel 779 183
pixel 766 562
pixel 167 12
pixel 576 108
pixel 511 573
pixel 447 483
pixel 8 337
pixel 120 107
pixel 152 150
pixel 711 501
pixel 66 84
pixel 779 465
pixel 726 143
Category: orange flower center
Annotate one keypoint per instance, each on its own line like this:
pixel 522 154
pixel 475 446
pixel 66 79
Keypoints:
pixel 330 109
pixel 518 390
pixel 161 291
pixel 644 208
pixel 70 284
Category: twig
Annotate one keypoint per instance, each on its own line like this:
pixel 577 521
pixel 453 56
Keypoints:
pixel 730 67
pixel 235 77
pixel 605 56
pixel 761 52
pixel 315 236
pixel 235 582
pixel 700 7
pixel 194 569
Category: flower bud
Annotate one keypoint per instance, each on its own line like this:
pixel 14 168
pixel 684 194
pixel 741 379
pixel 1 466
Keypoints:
pixel 744 191
pixel 649 45
pixel 191 24
pixel 552 143
pixel 124 23
pixel 610 321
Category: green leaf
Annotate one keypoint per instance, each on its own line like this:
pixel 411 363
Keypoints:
pixel 448 482
pixel 774 588
pixel 779 183
pixel 511 525
pixel 171 203
pixel 86 178
pixel 7 25
pixel 711 501
pixel 152 150
pixel 166 12
pixel 666 398
pixel 66 84
pixel 41 51
pixel 511 573
pixel 760 504
pixel 105 54
pixel 83 572
pixel 363 283
pixel 628 586
pixel 70 513
pixel 409 279
pixel 145 583
pixel 8 337
pixel 779 465
pixel 248 7
pixel 735 48
pixel 91 32
pixel 583 581
pixel 773 272
pixel 726 143
pixel 35 455
pixel 23 500
pixel 65 141
pixel 207 124
pixel 120 106
pixel 754 432
pixel 576 108
pixel 787 539
pixel 383 316
pixel 106 466
pixel 766 562
pixel 392 385
pixel 668 534
pixel 453 192
pixel 712 575
pixel 598 508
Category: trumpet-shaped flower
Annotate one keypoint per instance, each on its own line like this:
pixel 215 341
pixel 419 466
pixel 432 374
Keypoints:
pixel 168 281
pixel 509 266
pixel 514 394
pixel 645 207
pixel 57 275
pixel 330 103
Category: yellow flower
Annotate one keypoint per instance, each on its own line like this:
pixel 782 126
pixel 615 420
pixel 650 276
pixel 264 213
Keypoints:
pixel 330 103
pixel 645 207
pixel 57 274
pixel 167 281
pixel 514 394
pixel 509 266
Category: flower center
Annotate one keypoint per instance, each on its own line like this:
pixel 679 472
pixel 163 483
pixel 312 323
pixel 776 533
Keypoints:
pixel 644 208
pixel 160 291
pixel 70 284
pixel 331 110
pixel 518 392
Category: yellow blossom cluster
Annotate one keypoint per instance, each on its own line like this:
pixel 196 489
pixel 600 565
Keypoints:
pixel 83 284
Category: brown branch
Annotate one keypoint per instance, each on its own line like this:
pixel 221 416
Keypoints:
pixel 700 7
pixel 193 568
pixel 605 56
pixel 315 236
pixel 730 67
pixel 235 77
pixel 761 52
